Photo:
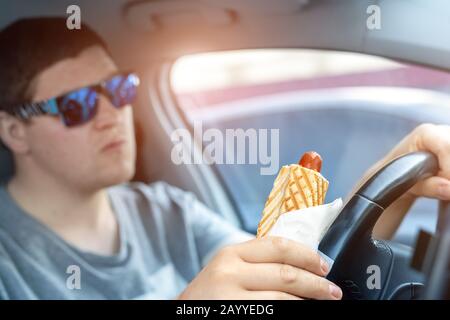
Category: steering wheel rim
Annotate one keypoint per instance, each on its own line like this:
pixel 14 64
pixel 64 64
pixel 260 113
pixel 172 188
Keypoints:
pixel 349 240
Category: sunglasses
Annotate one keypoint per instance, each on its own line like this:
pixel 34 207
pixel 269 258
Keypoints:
pixel 80 106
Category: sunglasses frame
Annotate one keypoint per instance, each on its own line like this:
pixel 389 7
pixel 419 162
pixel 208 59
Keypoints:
pixel 50 106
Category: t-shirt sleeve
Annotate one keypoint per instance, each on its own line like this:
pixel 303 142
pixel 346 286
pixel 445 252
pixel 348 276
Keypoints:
pixel 211 231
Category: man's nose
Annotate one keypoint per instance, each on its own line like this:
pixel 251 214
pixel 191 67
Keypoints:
pixel 107 115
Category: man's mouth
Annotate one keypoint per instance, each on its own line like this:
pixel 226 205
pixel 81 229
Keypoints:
pixel 113 145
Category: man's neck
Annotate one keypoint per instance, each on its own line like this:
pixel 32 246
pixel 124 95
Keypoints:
pixel 83 219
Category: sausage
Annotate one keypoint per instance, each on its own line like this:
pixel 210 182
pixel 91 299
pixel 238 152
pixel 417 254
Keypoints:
pixel 311 160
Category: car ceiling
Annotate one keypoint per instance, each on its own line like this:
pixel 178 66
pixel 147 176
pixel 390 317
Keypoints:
pixel 141 31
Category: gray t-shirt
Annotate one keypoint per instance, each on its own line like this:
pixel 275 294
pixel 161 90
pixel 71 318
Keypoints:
pixel 166 237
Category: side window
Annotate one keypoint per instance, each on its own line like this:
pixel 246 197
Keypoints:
pixel 351 108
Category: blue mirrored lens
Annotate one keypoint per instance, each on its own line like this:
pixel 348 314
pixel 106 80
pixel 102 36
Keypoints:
pixel 51 107
pixel 78 107
pixel 122 90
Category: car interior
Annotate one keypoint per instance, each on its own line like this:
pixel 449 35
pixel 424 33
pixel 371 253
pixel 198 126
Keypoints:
pixel 149 36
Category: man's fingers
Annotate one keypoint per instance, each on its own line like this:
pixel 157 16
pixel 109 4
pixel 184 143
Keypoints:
pixel 437 140
pixel 288 279
pixel 284 251
pixel 434 187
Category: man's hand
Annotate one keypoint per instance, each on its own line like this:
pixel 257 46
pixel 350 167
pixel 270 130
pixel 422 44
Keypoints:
pixel 435 139
pixel 264 268
pixel 426 137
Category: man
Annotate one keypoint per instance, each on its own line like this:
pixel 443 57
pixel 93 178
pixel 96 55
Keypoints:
pixel 72 227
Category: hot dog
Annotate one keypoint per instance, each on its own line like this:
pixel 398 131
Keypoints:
pixel 311 160
pixel 296 187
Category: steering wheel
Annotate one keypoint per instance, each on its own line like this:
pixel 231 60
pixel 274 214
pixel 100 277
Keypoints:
pixel 366 268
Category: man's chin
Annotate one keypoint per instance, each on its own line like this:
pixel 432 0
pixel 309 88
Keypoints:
pixel 115 177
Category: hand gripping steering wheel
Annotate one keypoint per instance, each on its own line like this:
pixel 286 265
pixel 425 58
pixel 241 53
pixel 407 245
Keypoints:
pixel 366 268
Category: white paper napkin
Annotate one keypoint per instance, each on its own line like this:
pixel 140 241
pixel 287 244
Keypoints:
pixel 307 226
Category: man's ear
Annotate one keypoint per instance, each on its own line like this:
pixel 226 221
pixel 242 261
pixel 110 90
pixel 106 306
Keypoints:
pixel 13 133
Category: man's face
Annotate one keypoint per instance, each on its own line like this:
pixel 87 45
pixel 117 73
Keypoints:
pixel 91 156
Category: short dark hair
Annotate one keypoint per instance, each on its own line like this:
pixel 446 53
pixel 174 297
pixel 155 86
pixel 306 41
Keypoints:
pixel 29 46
